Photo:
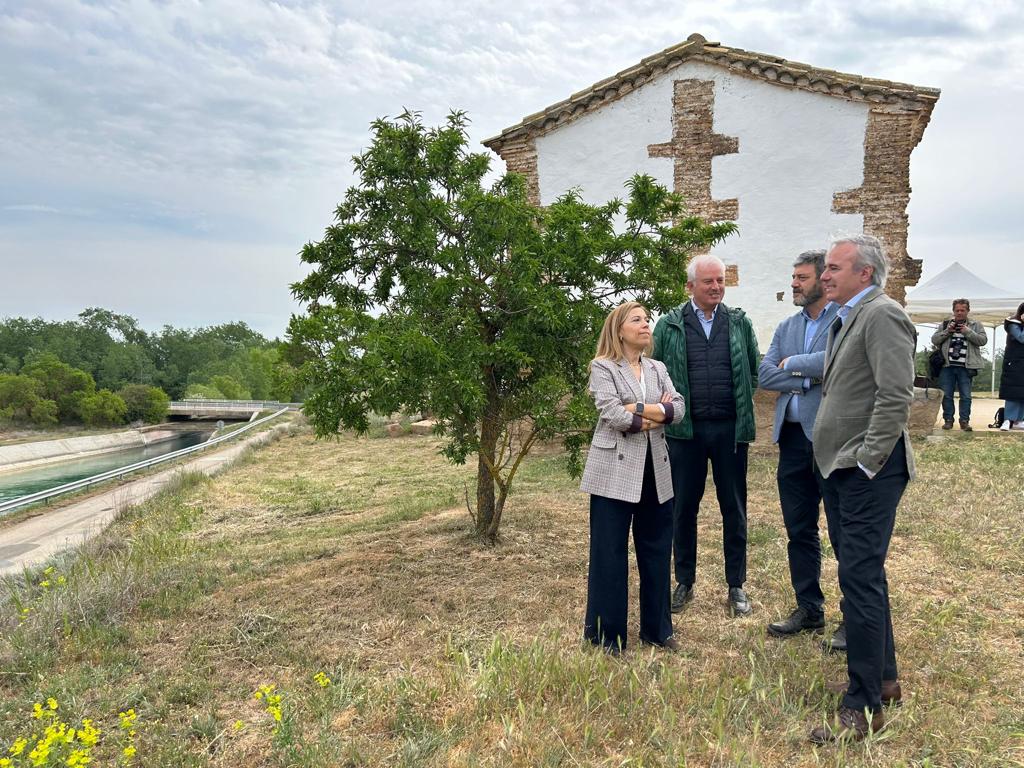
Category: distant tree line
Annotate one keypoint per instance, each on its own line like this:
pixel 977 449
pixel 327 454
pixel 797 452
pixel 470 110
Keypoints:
pixel 104 370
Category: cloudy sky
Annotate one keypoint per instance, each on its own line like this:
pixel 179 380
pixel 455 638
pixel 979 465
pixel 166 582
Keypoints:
pixel 169 158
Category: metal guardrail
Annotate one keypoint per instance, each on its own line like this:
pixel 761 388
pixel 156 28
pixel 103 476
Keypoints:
pixel 60 490
pixel 240 405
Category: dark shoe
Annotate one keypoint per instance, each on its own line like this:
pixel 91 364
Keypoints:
pixel 892 694
pixel 848 725
pixel 947 424
pixel 671 645
pixel 800 620
pixel 611 650
pixel 739 604
pixel 966 426
pixel 682 597
pixel 836 643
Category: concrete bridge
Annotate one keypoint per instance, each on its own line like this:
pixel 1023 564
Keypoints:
pixel 234 410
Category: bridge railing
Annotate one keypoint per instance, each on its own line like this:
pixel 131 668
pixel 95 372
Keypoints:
pixel 233 405
pixel 77 485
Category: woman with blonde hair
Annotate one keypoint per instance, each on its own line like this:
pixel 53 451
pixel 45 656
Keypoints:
pixel 627 475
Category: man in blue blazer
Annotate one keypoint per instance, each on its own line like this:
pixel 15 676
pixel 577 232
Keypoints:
pixel 793 367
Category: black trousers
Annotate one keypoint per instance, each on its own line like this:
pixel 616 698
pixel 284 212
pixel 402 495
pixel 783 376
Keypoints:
pixel 866 516
pixel 800 495
pixel 713 441
pixel 607 582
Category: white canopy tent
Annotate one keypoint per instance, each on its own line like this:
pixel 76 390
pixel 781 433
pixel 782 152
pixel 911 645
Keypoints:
pixel 932 302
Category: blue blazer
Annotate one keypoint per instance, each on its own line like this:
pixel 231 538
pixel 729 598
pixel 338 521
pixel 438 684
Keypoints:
pixel 788 341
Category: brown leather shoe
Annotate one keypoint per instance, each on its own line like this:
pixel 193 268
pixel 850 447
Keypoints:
pixel 892 694
pixel 848 725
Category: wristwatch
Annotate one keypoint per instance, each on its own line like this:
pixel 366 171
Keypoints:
pixel 639 408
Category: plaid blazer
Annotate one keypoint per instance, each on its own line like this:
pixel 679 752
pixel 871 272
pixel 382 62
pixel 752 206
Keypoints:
pixel 615 462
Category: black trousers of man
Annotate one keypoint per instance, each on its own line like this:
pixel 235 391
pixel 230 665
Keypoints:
pixel 608 578
pixel 715 441
pixel 867 514
pixel 800 494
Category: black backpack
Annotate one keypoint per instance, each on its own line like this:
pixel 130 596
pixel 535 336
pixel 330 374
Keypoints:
pixel 998 421
pixel 936 360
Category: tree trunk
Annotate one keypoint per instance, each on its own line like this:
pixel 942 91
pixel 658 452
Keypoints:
pixel 487 514
pixel 485 483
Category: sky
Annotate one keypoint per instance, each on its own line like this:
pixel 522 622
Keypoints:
pixel 168 159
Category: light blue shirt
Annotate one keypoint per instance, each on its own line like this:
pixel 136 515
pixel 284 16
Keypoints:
pixel 705 323
pixel 847 308
pixel 811 325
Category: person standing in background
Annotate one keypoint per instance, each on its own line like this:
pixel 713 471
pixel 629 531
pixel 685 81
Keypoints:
pixel 1011 384
pixel 960 340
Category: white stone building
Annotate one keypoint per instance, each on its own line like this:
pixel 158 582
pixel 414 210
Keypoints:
pixel 792 153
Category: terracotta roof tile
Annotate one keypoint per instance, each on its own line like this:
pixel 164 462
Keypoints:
pixel 765 66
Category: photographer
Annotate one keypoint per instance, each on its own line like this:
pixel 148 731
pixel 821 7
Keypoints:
pixel 960 340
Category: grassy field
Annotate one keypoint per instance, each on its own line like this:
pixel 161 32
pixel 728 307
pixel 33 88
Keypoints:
pixel 340 583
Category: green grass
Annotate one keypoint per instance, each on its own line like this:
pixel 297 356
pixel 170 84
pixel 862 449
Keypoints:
pixel 356 558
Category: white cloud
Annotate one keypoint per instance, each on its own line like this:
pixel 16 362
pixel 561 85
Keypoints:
pixel 234 121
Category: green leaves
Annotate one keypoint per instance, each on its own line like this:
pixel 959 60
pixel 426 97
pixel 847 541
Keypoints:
pixel 433 292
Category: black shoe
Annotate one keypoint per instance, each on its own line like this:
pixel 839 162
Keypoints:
pixel 947 424
pixel 836 643
pixel 670 644
pixel 966 426
pixel 739 603
pixel 682 597
pixel 800 620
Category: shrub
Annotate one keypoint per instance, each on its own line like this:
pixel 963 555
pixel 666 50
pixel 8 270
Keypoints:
pixel 103 409
pixel 45 413
pixel 146 403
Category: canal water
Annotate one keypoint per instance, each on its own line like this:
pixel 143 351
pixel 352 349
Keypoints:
pixel 15 484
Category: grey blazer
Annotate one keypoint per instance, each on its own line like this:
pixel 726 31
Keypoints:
pixel 868 387
pixel 788 341
pixel 615 462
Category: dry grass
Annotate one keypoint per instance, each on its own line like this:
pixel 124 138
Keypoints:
pixel 355 558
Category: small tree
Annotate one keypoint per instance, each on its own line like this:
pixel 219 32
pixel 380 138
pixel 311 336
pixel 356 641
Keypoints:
pixel 19 395
pixel 432 292
pixel 65 385
pixel 103 409
pixel 45 413
pixel 146 403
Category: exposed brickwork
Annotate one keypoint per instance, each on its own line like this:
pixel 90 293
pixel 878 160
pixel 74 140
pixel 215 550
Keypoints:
pixel 899 114
pixel 520 156
pixel 884 194
pixel 693 145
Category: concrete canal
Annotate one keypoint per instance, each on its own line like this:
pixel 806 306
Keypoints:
pixel 15 484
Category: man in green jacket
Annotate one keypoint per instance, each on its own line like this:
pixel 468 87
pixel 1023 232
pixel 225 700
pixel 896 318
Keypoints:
pixel 711 355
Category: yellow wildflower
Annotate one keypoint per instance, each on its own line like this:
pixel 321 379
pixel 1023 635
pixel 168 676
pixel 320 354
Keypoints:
pixel 18 747
pixel 52 703
pixel 88 734
pixel 322 679
pixel 239 725
pixel 128 751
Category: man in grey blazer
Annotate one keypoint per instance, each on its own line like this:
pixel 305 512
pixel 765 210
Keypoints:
pixel 793 367
pixel 862 449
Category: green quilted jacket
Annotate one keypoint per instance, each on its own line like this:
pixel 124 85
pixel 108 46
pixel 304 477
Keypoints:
pixel 670 348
